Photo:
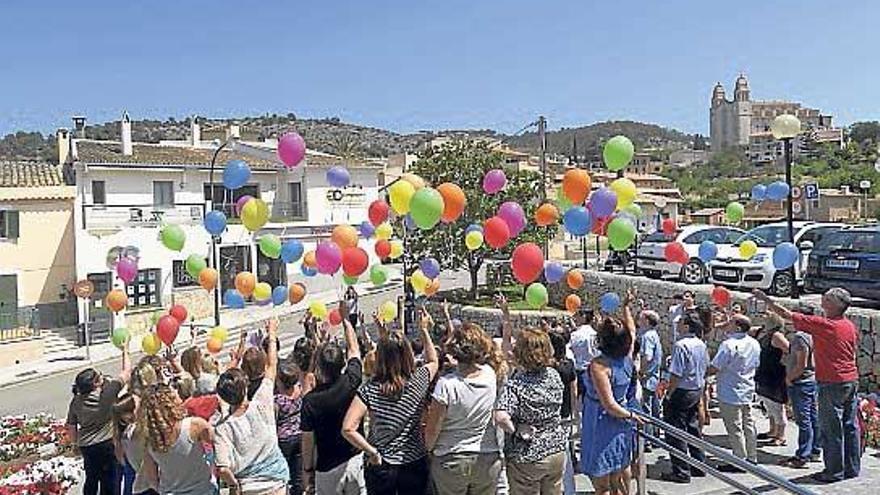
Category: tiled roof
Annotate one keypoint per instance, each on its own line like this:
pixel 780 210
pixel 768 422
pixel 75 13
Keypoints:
pixel 29 174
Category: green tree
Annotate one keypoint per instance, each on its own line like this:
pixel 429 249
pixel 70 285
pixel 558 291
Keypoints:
pixel 465 163
pixel 865 131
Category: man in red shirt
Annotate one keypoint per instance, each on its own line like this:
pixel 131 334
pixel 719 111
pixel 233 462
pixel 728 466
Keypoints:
pixel 835 343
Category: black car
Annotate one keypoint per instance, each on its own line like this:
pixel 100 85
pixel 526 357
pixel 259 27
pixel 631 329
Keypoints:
pixel 848 258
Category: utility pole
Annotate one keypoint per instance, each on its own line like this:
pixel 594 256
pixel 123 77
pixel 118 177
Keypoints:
pixel 542 135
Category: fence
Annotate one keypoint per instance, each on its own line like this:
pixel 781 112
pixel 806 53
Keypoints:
pixel 20 323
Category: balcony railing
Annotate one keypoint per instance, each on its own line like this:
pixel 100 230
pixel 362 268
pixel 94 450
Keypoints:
pixel 290 211
pixel 132 215
pixel 19 323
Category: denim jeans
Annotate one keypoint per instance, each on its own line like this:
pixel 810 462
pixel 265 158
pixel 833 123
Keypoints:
pixel 841 446
pixel 806 415
pixel 680 411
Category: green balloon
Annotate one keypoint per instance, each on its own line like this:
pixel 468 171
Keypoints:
pixel 270 246
pixel 536 295
pixel 154 318
pixel 621 234
pixel 426 208
pixel 378 274
pixel 194 265
pixel 119 337
pixel 562 201
pixel 173 237
pixel 349 280
pixel 633 209
pixel 735 212
pixel 618 152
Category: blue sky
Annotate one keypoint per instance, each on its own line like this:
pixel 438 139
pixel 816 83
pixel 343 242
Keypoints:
pixel 412 65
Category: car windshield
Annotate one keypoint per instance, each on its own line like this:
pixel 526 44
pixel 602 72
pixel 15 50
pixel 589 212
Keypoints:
pixel 658 236
pixel 859 242
pixel 766 236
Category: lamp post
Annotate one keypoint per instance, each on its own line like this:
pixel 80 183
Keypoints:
pixel 785 128
pixel 215 239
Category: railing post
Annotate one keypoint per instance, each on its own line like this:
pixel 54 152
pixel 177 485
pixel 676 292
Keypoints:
pixel 642 474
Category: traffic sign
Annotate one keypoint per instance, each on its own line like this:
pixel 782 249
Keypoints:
pixel 865 185
pixel 84 289
pixel 877 166
pixel 811 191
pixel 796 208
pixel 796 192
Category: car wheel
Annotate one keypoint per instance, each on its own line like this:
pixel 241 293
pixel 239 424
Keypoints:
pixel 693 272
pixel 782 285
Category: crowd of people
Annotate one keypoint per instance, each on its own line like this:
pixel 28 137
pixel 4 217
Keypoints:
pixel 448 407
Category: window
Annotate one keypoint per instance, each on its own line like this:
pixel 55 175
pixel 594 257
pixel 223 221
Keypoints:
pixel 181 277
pixel 224 199
pixel 696 237
pixel 816 235
pixel 732 236
pixel 297 202
pixel 8 224
pixel 145 290
pixel 163 193
pixel 99 194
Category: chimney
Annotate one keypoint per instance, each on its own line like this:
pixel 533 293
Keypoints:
pixel 62 139
pixel 79 126
pixel 125 127
pixel 195 131
pixel 233 131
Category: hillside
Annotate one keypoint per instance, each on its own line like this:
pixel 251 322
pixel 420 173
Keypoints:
pixel 590 137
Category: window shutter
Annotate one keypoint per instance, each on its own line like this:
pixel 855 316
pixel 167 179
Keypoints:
pixel 12 224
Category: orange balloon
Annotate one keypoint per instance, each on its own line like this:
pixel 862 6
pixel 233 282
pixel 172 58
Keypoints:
pixel 576 185
pixel 574 279
pixel 214 345
pixel 546 214
pixel 208 278
pixel 296 293
pixel 345 236
pixel 416 181
pixel 245 283
pixel 116 300
pixel 309 259
pixel 572 303
pixel 433 287
pixel 454 201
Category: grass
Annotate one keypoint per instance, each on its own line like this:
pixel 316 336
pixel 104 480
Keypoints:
pixel 486 297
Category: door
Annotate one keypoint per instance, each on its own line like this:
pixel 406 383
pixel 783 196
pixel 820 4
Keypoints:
pixel 8 301
pixel 233 260
pixel 99 316
pixel 272 271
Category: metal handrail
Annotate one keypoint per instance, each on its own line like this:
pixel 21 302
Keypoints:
pixel 755 470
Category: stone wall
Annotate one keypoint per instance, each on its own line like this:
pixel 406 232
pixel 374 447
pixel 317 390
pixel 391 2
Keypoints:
pixel 489 318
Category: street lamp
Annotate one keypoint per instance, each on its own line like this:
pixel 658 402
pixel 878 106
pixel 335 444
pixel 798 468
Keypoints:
pixel 785 128
pixel 215 239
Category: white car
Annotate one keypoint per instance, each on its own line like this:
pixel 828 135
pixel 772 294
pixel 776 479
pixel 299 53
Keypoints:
pixel 731 270
pixel 652 261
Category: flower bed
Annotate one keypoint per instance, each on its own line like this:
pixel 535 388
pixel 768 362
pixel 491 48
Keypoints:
pixel 24 436
pixel 23 441
pixel 869 412
pixel 44 477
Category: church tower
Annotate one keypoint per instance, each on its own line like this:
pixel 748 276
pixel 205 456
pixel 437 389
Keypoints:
pixel 718 122
pixel 742 110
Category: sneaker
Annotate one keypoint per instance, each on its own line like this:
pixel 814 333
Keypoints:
pixel 730 468
pixel 823 477
pixel 697 473
pixel 648 449
pixel 675 478
pixel 794 462
pixel 764 436
pixel 816 457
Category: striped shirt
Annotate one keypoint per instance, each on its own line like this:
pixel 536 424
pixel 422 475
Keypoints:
pixel 395 421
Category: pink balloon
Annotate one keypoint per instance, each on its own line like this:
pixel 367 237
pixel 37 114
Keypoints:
pixel 291 149
pixel 240 203
pixel 328 257
pixel 512 213
pixel 127 270
pixel 494 181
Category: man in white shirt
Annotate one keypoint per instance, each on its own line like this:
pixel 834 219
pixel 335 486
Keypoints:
pixel 676 311
pixel 583 341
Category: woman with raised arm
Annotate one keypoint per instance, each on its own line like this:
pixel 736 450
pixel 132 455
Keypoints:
pixel 395 398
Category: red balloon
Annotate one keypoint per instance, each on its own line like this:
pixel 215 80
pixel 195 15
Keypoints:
pixel 354 261
pixel 383 249
pixel 600 225
pixel 334 317
pixel 674 252
pixel 527 262
pixel 721 296
pixel 377 212
pixel 178 312
pixel 166 329
pixel 668 226
pixel 496 233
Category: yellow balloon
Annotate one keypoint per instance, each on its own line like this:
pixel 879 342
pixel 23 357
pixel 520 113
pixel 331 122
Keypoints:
pixel 384 231
pixel 625 190
pixel 318 310
pixel 151 344
pixel 254 214
pixel 416 181
pixel 748 249
pixel 473 240
pixel 219 333
pixel 396 249
pixel 387 311
pixel 419 281
pixel 262 291
pixel 401 194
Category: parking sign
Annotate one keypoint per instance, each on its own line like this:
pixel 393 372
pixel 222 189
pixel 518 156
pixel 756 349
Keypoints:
pixel 811 191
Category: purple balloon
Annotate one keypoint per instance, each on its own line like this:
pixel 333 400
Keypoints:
pixel 291 149
pixel 553 272
pixel 472 227
pixel 338 176
pixel 494 181
pixel 514 216
pixel 241 202
pixel 127 270
pixel 430 267
pixel 603 202
pixel 328 257
pixel 367 229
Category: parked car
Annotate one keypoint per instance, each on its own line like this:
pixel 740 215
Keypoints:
pixel 652 261
pixel 848 258
pixel 730 269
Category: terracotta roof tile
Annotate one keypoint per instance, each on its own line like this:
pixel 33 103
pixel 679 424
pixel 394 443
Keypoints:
pixel 29 174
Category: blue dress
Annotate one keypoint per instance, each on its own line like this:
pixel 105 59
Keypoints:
pixel 607 442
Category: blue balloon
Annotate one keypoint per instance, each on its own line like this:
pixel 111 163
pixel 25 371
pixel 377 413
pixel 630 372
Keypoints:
pixel 430 267
pixel 777 191
pixel 309 272
pixel 233 299
pixel 338 176
pixel 759 192
pixel 279 295
pixel 408 222
pixel 236 174
pixel 264 302
pixel 291 251
pixel 708 251
pixel 577 221
pixel 785 255
pixel 367 229
pixel 472 227
pixel 215 222
pixel 609 302
pixel 553 272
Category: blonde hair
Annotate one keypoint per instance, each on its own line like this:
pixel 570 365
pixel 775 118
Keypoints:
pixel 533 350
pixel 159 413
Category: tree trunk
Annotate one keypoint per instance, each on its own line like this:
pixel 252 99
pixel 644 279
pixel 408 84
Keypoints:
pixel 473 269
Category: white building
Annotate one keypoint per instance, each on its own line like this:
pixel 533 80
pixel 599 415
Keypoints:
pixel 126 191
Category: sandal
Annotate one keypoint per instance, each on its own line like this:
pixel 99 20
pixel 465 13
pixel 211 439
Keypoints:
pixel 777 442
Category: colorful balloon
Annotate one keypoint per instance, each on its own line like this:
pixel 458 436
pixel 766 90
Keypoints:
pixel 236 174
pixel 603 202
pixel 345 236
pixel 378 274
pixel 194 265
pixel 116 300
pixel 318 310
pixel 127 270
pixel 419 281
pixel 240 202
pixel 416 181
pixel 296 292
pixel 262 292
pixel 334 317
pixel 338 177
pixel 433 287
pixel 119 337
pixel 576 185
pixel 291 251
pixel 546 215
pixel 536 295
pixel 473 240
pixel 208 278
pixel 708 251
pixel 494 181
pixel 167 328
pixel 233 299
pixel 270 246
pixel 220 333
pixel 151 344
pixel 609 302
pixel 387 311
pixel 454 201
pixel 748 249
pixel 634 210
pixel 577 221
pixel 617 153
pixel 384 231
pixel 430 267
pixel 625 190
pixel 668 226
pixel 721 296
pixel 354 261
pixel 279 295
pixel 291 149
pixel 328 257
pixel 575 279
pixel 308 259
pixel 473 227
pixel 512 213
pixel 254 214
pixel 366 229
pixel 785 255
pixel 349 279
pixel 426 208
pixel 674 252
pixel 308 271
pixel 179 313
pixel 734 212
pixel 553 272
pixel 527 262
pixel 378 212
pixel 562 201
pixel 759 192
pixel 396 249
pixel 572 303
pixel 496 233
pixel 173 237
pixel 245 283
pixel 383 249
pixel 215 222
pixel 400 193
pixel 213 345
pixel 777 191
pixel 621 234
